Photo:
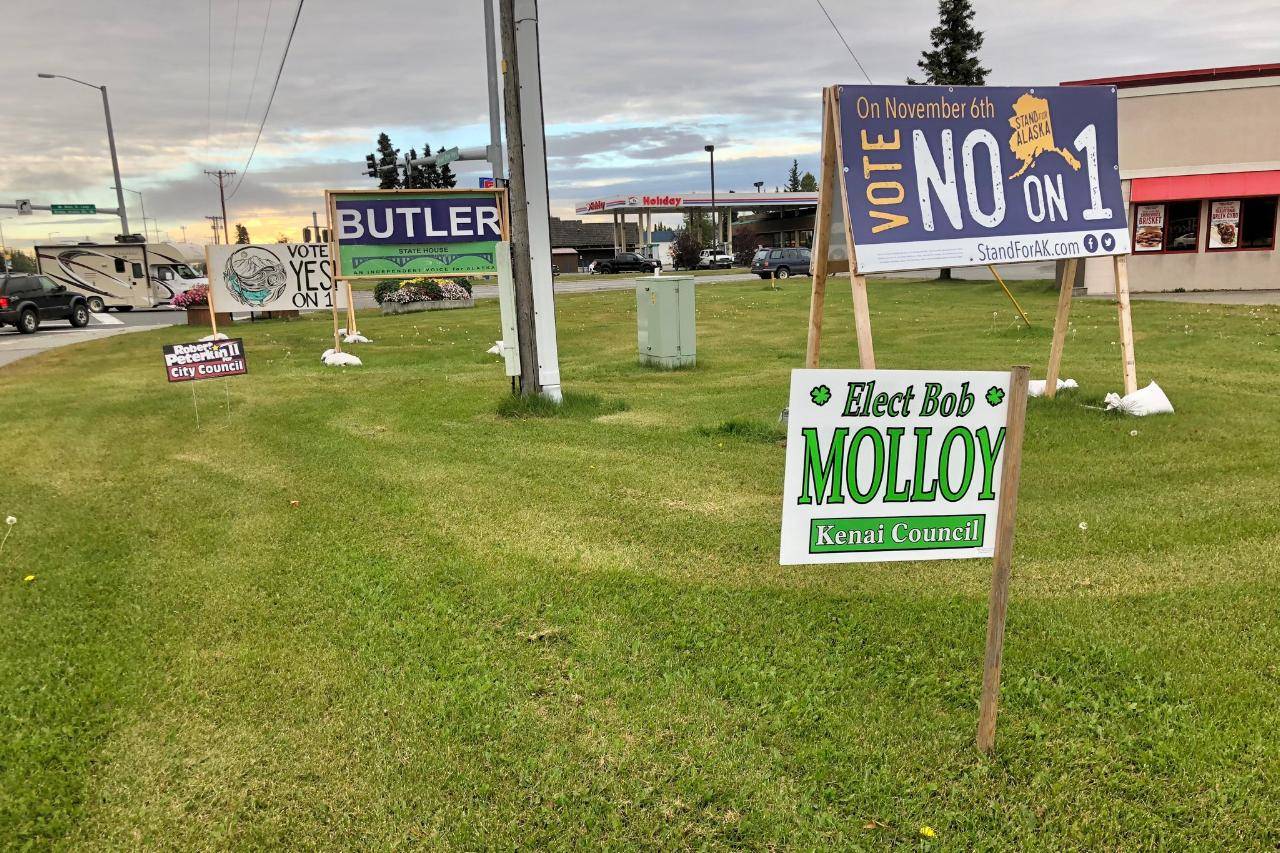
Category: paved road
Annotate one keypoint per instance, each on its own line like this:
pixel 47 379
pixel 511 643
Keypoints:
pixel 59 333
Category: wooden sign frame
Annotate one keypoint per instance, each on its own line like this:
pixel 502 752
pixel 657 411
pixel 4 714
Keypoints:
pixel 831 187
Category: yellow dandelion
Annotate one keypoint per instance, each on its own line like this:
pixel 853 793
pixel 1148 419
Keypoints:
pixel 927 831
pixel 29 578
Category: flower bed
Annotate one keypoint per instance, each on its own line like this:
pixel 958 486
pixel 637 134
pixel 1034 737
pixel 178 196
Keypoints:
pixel 423 294
pixel 196 303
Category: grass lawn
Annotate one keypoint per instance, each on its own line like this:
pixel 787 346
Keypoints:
pixel 484 631
pixel 575 276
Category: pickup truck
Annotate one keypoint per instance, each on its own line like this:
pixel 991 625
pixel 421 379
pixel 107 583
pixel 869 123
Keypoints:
pixel 713 258
pixel 625 262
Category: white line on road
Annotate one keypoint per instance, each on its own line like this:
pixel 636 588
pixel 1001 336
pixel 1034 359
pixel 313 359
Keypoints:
pixel 106 319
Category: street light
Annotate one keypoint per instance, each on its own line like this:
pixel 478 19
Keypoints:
pixel 111 140
pixel 758 185
pixel 711 149
pixel 142 206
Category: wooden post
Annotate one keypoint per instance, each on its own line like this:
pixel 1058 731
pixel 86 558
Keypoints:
pixel 351 311
pixel 213 312
pixel 1060 328
pixel 1009 294
pixel 1002 561
pixel 857 283
pixel 822 232
pixel 521 269
pixel 1121 266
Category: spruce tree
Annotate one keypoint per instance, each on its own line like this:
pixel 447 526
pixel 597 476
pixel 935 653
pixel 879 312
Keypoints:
pixel 388 179
pixel 954 58
pixel 956 42
pixel 808 183
pixel 242 233
pixel 793 177
pixel 447 178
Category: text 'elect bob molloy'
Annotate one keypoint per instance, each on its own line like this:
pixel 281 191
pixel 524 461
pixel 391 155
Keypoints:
pixel 401 221
pixel 892 464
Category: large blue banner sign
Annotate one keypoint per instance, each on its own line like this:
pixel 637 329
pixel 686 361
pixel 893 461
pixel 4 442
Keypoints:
pixel 953 176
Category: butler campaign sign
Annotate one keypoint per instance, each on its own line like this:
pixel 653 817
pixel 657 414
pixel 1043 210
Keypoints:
pixel 892 465
pixel 271 277
pixel 950 176
pixel 405 233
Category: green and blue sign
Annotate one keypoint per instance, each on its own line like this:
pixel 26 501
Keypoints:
pixel 943 176
pixel 405 233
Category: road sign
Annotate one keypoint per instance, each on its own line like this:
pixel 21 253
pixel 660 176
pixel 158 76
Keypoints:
pixel 444 158
pixel 24 206
pixel 486 183
pixel 73 208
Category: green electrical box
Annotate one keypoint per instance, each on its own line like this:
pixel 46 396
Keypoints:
pixel 665 328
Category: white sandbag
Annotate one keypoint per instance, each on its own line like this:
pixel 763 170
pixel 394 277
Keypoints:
pixel 1145 401
pixel 1035 387
pixel 498 349
pixel 355 338
pixel 217 336
pixel 333 358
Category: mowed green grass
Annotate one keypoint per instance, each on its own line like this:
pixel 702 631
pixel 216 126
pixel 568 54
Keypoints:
pixel 484 632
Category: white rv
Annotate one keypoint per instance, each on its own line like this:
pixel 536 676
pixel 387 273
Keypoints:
pixel 123 276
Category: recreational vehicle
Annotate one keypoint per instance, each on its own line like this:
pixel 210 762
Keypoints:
pixel 123 276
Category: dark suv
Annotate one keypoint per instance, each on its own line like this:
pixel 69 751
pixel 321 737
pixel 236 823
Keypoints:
pixel 781 263
pixel 625 262
pixel 26 301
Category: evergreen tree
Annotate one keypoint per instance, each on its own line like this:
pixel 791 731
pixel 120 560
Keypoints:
pixel 793 177
pixel 954 58
pixel 242 234
pixel 387 155
pixel 808 183
pixel 447 178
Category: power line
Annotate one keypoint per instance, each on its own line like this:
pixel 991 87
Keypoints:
pixel 258 64
pixel 270 100
pixel 208 131
pixel 231 68
pixel 842 39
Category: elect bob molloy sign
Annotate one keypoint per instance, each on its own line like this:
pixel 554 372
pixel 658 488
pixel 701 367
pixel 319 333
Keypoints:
pixel 892 465
pixel 403 233
pixel 970 175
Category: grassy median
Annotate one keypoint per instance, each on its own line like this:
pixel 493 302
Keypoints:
pixel 376 607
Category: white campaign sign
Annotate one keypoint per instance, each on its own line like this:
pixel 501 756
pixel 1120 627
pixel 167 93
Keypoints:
pixel 892 465
pixel 272 277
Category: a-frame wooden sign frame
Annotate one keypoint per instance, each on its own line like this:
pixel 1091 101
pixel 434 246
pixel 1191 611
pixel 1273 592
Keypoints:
pixel 832 203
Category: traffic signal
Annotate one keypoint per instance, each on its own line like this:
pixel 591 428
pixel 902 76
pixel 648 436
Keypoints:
pixel 371 166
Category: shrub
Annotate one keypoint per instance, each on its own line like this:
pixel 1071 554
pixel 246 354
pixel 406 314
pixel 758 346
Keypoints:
pixel 196 297
pixel 424 289
pixel 685 249
pixel 383 289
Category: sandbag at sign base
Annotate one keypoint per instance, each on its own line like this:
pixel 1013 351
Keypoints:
pixel 1035 387
pixel 333 358
pixel 218 336
pixel 353 338
pixel 1145 401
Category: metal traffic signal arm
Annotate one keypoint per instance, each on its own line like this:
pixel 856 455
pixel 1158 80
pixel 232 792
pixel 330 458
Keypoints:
pixel 25 207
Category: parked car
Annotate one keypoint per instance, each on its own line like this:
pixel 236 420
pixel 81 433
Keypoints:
pixel 781 263
pixel 28 300
pixel 714 259
pixel 625 262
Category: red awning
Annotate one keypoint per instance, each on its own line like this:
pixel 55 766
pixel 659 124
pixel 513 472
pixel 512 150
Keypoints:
pixel 1221 185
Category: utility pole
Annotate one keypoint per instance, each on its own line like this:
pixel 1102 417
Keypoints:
pixel 213 221
pixel 715 223
pixel 495 119
pixel 521 269
pixel 222 175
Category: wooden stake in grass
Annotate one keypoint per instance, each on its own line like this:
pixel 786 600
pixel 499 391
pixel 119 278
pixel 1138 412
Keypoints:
pixel 1002 562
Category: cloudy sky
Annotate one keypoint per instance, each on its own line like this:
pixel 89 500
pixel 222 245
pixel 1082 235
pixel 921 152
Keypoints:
pixel 631 90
